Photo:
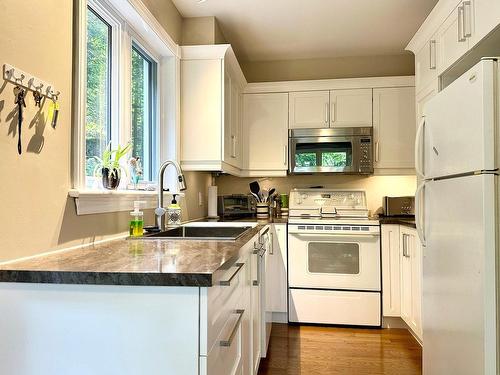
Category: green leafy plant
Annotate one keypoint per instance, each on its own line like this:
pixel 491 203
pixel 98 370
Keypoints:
pixel 110 159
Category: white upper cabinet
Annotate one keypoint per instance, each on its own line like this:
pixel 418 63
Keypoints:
pixel 453 35
pixel 265 129
pixel 351 108
pixel 394 127
pixel 426 63
pixel 486 18
pixel 211 88
pixel 309 109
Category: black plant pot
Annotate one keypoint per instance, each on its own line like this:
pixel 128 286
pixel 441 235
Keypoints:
pixel 110 180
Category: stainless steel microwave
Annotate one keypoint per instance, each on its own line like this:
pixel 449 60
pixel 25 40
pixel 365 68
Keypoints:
pixel 331 150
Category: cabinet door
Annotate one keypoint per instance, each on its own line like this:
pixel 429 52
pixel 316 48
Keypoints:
pixel 411 280
pixel 426 63
pixel 256 313
pixel 265 125
pixel 394 127
pixel 391 271
pixel 309 109
pixel 452 42
pixel 486 18
pixel 276 282
pixel 351 108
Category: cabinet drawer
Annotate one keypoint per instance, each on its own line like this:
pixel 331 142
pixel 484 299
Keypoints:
pixel 218 302
pixel 225 357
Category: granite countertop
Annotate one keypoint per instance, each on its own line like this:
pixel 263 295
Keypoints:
pixel 408 221
pixel 133 262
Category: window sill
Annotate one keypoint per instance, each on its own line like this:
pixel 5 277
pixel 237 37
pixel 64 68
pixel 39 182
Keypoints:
pixel 89 202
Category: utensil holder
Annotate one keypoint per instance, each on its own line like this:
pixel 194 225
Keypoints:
pixel 262 210
pixel 284 211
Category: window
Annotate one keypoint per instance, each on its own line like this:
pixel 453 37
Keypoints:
pixel 98 103
pixel 144 92
pixel 125 64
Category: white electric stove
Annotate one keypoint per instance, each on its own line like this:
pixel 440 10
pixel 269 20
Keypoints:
pixel 333 258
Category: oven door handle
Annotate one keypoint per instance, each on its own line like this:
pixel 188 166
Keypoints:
pixel 335 234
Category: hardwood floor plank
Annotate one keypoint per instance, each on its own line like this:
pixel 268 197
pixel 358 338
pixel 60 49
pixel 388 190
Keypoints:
pixel 316 350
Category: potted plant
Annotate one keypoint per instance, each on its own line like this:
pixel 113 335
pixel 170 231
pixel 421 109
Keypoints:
pixel 109 165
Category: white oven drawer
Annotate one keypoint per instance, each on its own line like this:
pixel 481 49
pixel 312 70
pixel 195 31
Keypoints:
pixel 334 307
pixel 326 261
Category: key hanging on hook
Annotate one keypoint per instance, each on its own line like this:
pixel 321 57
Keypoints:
pixel 37 97
pixel 20 94
pixel 53 112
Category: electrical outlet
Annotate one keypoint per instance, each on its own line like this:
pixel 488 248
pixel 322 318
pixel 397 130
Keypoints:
pixel 200 198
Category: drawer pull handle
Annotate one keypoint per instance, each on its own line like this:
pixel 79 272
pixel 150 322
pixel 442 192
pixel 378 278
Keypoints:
pixel 229 341
pixel 228 282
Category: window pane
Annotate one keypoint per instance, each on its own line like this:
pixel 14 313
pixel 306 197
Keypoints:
pixel 334 159
pixel 98 112
pixel 143 110
pixel 305 159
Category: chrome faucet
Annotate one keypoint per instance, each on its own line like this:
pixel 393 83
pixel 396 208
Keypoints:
pixel 181 183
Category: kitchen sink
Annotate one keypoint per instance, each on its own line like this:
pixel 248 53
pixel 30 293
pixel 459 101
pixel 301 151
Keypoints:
pixel 203 231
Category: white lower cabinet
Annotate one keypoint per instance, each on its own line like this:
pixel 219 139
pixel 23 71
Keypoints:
pixel 276 275
pixel 411 280
pixel 230 319
pixel 402 276
pixel 391 271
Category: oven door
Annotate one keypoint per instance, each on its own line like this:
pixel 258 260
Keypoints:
pixel 341 261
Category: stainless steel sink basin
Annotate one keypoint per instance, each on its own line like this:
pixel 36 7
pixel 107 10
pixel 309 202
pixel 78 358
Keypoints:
pixel 201 231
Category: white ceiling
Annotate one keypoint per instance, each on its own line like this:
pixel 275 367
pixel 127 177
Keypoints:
pixel 302 29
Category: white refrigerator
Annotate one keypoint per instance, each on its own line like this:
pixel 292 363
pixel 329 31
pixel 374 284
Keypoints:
pixel 457 156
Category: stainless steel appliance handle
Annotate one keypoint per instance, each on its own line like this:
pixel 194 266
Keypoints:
pixel 418 155
pixel 335 234
pixel 228 281
pixel 231 337
pixel 418 215
pixel 467 19
pixel 432 54
pixel 460 28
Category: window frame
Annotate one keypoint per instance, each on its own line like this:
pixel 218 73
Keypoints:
pixel 133 24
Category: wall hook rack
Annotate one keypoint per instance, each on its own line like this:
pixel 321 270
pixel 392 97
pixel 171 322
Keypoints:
pixel 29 82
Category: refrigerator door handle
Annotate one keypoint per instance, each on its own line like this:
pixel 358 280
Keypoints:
pixel 418 150
pixel 420 224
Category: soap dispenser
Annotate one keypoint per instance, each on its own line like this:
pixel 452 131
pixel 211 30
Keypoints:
pixel 173 213
pixel 137 220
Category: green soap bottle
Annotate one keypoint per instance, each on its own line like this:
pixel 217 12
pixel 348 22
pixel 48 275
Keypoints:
pixel 137 221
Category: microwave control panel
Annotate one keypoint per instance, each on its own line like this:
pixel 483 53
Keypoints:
pixel 366 157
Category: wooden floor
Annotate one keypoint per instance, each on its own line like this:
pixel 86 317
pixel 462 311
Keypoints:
pixel 312 350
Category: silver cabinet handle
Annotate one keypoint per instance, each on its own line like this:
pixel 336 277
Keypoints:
pixel 326 112
pixel 404 246
pixel 376 151
pixel 271 249
pixel 233 146
pixel 230 339
pixel 432 54
pixel 461 37
pixel 332 115
pixel 467 19
pixel 259 265
pixel 228 282
pixel 285 154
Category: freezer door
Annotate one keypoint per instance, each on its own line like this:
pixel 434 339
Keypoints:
pixel 459 278
pixel 459 130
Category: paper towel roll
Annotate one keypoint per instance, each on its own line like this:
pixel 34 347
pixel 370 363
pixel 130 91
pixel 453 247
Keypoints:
pixel 212 201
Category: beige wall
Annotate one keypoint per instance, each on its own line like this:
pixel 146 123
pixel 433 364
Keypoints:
pixel 201 31
pixel 376 187
pixel 37 213
pixel 341 67
pixel 168 16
